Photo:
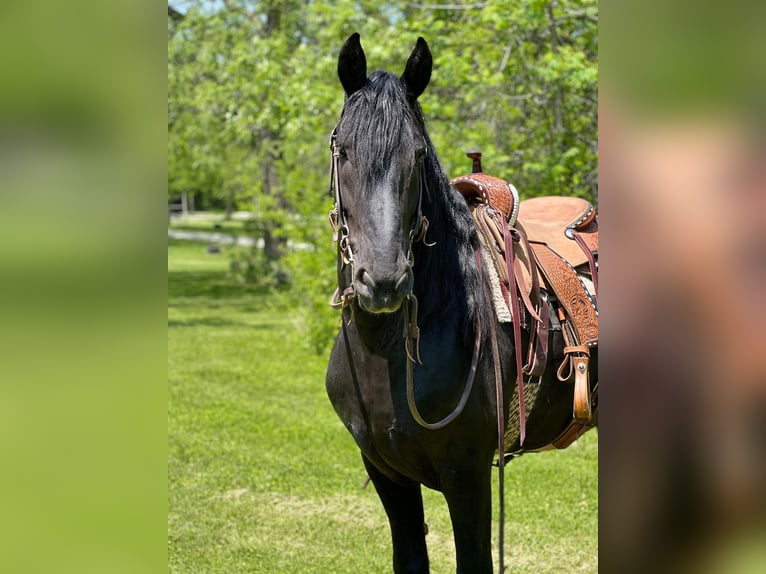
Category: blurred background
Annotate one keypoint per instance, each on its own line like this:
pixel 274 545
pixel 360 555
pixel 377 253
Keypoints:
pixel 682 178
pixel 82 286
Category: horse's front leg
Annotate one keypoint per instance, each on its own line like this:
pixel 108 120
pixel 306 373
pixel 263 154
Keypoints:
pixel 404 507
pixel 468 493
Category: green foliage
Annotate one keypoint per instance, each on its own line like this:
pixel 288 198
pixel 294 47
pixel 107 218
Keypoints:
pixel 312 283
pixel 253 95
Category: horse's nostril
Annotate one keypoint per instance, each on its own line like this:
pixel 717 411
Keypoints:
pixel 366 278
pixel 404 284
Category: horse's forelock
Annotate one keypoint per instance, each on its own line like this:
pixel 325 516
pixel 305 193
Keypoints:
pixel 379 121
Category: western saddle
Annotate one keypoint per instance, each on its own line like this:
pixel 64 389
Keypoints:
pixel 545 253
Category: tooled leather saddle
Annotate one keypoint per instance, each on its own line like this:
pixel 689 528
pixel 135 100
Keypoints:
pixel 545 256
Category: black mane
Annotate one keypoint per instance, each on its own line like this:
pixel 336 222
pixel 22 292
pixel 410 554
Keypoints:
pixel 447 280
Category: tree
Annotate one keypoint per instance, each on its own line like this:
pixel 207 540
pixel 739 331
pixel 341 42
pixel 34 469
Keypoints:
pixel 253 95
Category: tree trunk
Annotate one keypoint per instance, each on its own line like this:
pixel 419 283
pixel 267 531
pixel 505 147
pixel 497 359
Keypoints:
pixel 273 245
pixel 229 204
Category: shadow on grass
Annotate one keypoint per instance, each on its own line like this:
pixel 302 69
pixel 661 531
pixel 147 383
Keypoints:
pixel 210 285
pixel 211 298
pixel 217 297
pixel 217 322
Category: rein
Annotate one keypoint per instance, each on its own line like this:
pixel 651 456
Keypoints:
pixel 412 336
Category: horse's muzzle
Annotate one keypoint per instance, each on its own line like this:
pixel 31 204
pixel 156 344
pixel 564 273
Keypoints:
pixel 382 295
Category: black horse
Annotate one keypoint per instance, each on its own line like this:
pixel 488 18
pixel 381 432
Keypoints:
pixel 388 183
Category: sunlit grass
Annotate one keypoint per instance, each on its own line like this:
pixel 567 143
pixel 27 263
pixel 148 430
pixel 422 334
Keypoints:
pixel 264 478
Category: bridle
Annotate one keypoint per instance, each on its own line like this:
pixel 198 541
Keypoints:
pixel 339 222
pixel 337 214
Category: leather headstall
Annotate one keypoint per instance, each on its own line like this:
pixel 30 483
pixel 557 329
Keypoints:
pixel 339 223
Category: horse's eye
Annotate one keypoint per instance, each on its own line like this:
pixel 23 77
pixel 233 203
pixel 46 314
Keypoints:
pixel 342 153
pixel 420 155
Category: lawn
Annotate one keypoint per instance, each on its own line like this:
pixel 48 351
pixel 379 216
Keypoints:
pixel 262 477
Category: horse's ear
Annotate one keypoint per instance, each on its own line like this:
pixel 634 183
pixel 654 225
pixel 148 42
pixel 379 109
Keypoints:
pixel 352 65
pixel 417 72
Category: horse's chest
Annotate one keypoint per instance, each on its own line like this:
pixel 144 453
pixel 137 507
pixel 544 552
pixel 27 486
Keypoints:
pixel 373 407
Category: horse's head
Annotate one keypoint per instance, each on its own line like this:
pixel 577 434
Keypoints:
pixel 379 146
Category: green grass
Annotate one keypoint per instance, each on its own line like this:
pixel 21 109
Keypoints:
pixel 264 478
